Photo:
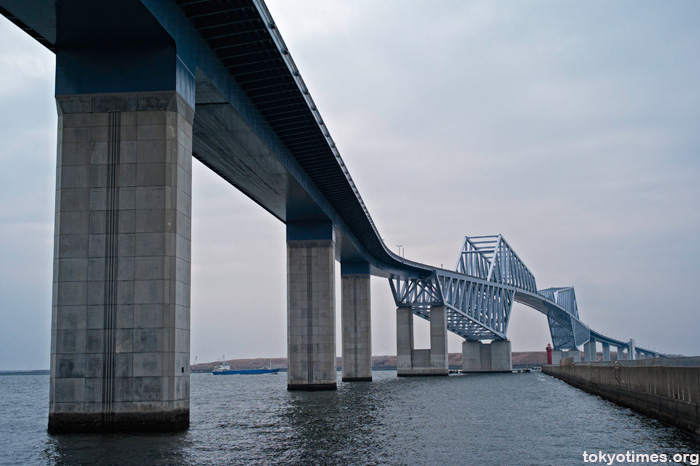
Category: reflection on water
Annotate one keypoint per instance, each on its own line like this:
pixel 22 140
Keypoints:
pixel 515 419
pixel 337 428
pixel 117 449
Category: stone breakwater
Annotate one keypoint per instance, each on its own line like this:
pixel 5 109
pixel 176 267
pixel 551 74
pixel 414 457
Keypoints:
pixel 669 393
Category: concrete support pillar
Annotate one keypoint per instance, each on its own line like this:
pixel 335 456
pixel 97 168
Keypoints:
pixel 606 351
pixel 481 357
pixel 438 341
pixel 588 349
pixel 311 307
pixel 632 350
pixel 356 325
pixel 621 353
pixel 485 357
pixel 423 362
pixel 120 335
pixel 471 356
pixel 575 354
pixel 501 356
pixel 557 356
pixel 404 340
pixel 594 350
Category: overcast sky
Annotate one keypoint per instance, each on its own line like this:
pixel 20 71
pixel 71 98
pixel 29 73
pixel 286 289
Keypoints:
pixel 572 128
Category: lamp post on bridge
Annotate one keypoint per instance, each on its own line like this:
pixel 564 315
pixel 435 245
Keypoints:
pixel 402 250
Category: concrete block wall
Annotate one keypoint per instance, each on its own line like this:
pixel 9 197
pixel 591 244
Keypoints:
pixel 575 354
pixel 404 340
pixel 356 327
pixel 471 356
pixel 557 356
pixel 311 315
pixel 438 339
pixel 622 354
pixel 501 356
pixel 589 351
pixel 121 281
pixel 668 393
pixel 421 362
pixel 483 357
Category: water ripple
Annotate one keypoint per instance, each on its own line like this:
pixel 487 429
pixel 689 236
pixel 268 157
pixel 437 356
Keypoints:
pixel 484 419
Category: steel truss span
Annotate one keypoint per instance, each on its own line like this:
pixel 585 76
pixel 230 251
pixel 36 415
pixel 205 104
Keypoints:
pixel 479 294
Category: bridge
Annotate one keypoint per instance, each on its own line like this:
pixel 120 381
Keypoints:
pixel 142 86
pixel 475 302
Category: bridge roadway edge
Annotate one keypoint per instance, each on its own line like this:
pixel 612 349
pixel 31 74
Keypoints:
pixel 670 394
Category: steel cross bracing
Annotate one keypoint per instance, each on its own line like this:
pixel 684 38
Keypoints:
pixel 478 296
pixel 492 258
pixel 476 309
pixel 565 331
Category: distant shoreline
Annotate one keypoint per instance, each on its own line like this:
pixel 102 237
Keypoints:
pixel 32 372
pixel 387 363
pixel 520 359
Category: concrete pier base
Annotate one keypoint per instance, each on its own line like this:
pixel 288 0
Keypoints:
pixel 501 356
pixel 483 357
pixel 589 351
pixel 404 340
pixel 632 350
pixel 471 356
pixel 311 314
pixel 120 334
pixel 424 362
pixel 575 354
pixel 606 351
pixel 621 356
pixel 357 328
pixel 557 356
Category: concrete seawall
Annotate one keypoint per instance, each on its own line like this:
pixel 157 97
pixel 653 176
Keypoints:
pixel 669 393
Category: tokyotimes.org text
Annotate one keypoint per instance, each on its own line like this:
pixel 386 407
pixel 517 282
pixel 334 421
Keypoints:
pixel 632 457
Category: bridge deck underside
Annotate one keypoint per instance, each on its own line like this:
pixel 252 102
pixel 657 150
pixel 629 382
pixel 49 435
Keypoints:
pixel 459 324
pixel 315 183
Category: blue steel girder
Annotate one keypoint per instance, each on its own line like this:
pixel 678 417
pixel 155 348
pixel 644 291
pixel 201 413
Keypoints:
pixel 561 329
pixel 476 309
pixel 482 302
pixel 566 329
pixel 416 292
pixel 492 258
pixel 564 297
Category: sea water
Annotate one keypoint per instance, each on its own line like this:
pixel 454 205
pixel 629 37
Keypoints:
pixel 478 419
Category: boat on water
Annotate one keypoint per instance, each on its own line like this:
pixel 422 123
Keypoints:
pixel 225 369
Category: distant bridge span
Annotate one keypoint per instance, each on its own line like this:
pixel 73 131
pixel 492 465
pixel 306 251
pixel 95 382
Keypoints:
pixel 488 278
pixel 142 86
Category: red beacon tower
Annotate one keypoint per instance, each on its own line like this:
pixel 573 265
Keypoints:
pixel 549 354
